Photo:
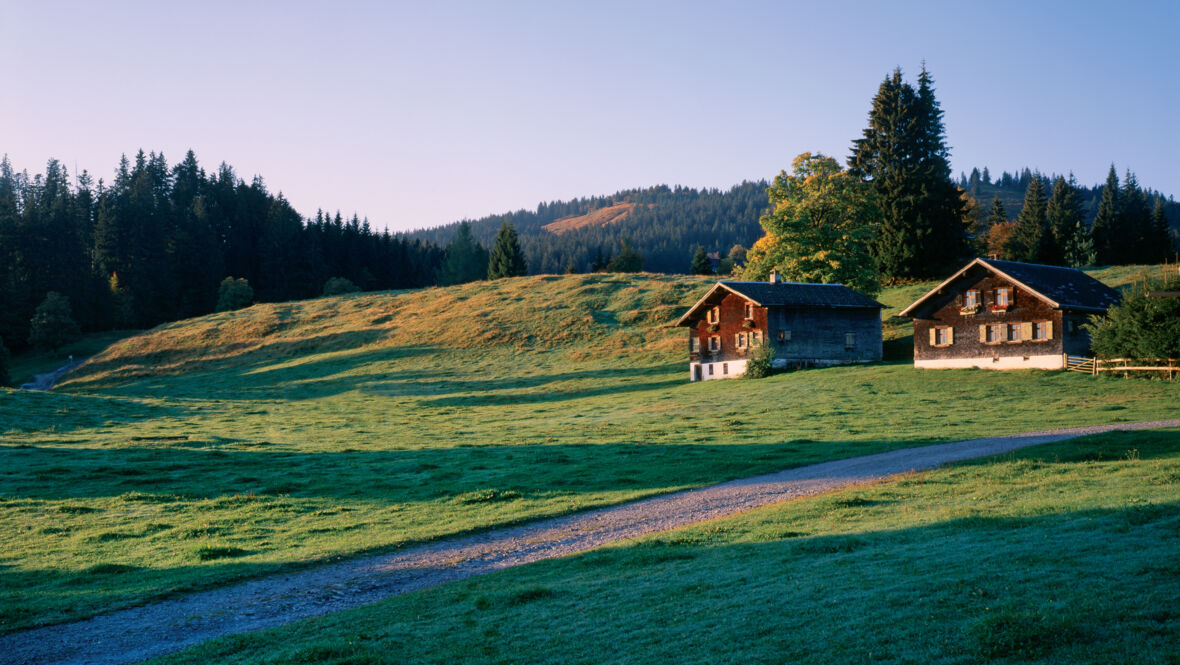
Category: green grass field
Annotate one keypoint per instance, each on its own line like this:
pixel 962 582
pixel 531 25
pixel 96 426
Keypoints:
pixel 1063 553
pixel 283 435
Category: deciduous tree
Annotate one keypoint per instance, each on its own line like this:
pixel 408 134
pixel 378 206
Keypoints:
pixel 820 227
pixel 53 324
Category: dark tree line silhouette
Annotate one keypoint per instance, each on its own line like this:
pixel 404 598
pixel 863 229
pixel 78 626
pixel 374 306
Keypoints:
pixel 154 244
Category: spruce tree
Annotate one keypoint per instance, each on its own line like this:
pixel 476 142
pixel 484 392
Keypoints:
pixel 467 260
pixel 1105 230
pixel 1135 221
pixel 903 154
pixel 628 259
pixel 1065 219
pixel 1030 239
pixel 506 259
pixel 1160 239
pixel 700 262
pixel 999 229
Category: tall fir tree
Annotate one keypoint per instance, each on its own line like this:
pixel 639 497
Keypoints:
pixel 1031 240
pixel 700 262
pixel 1160 239
pixel 903 154
pixel 1065 220
pixel 467 260
pixel 1135 220
pixel 506 259
pixel 1106 231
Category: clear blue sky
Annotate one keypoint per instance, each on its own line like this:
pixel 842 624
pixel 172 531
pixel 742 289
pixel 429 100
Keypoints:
pixel 418 114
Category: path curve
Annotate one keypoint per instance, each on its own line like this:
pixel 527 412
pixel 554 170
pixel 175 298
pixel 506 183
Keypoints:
pixel 139 633
pixel 47 380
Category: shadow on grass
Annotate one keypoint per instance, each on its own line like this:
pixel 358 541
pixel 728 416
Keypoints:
pixel 400 375
pixel 49 412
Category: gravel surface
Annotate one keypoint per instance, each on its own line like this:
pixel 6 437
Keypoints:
pixel 46 381
pixel 139 633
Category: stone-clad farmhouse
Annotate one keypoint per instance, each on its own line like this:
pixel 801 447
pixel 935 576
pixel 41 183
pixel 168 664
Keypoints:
pixel 807 325
pixel 1006 315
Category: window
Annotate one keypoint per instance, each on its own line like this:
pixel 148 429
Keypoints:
pixel 694 344
pixel 941 336
pixel 784 336
pixel 1042 331
pixel 1071 327
pixel 992 333
pixel 755 338
pixel 710 369
pixel 971 299
pixel 749 310
pixel 740 340
pixel 1004 296
pixel 849 340
pixel 714 315
pixel 1013 332
pixel 724 369
pixel 715 343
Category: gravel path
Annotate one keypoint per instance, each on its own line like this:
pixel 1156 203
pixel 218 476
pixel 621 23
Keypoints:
pixel 46 381
pixel 143 632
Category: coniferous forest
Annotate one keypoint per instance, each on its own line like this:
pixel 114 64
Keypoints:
pixel 155 243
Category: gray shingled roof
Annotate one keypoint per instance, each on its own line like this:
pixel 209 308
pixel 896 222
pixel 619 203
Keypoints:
pixel 1068 287
pixel 794 294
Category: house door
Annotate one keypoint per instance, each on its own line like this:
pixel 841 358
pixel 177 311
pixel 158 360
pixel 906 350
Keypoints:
pixel 696 372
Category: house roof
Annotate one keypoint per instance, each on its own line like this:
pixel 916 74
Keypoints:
pixel 783 294
pixel 1061 288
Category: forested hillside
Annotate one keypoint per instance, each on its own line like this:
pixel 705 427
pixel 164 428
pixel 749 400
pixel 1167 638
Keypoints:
pixel 154 244
pixel 664 224
pixel 1011 187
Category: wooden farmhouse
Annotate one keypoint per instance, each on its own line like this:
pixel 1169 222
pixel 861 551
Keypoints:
pixel 806 324
pixel 1007 315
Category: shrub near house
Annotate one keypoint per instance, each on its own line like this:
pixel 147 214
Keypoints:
pixel 1006 315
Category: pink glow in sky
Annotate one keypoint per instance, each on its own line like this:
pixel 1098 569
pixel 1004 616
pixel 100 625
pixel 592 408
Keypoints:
pixel 419 114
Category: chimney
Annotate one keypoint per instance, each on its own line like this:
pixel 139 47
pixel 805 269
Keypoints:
pixel 774 278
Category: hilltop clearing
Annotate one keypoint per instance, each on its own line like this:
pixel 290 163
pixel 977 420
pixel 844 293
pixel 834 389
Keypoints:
pixel 283 435
pixel 600 217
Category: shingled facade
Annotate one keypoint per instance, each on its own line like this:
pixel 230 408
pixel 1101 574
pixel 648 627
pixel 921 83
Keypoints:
pixel 807 325
pixel 1006 315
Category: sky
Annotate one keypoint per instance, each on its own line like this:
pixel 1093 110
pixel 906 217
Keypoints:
pixel 420 114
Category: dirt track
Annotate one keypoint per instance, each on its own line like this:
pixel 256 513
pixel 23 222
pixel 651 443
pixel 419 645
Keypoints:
pixel 152 630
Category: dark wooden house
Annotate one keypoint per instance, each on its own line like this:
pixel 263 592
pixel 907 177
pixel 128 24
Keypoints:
pixel 806 324
pixel 1006 315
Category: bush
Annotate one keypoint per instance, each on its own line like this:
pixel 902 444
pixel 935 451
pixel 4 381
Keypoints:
pixel 53 324
pixel 338 286
pixel 234 294
pixel 759 363
pixel 5 364
pixel 1141 326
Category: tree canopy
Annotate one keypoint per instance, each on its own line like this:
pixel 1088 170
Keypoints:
pixel 820 227
pixel 506 259
pixel 53 324
pixel 1141 326
pixel 903 155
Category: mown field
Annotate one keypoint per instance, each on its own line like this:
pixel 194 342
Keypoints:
pixel 1063 553
pixel 283 435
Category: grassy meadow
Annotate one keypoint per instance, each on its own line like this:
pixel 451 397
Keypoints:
pixel 1062 553
pixel 282 435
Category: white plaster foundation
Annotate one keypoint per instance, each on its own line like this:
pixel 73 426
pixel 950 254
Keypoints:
pixel 1055 361
pixel 720 370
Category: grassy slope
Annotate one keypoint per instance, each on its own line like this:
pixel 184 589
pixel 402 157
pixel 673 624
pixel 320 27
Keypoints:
pixel 242 443
pixel 1058 554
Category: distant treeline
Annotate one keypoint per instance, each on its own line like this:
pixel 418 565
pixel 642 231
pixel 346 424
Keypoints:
pixel 666 225
pixel 982 186
pixel 154 244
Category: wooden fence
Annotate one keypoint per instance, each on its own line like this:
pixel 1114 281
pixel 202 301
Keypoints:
pixel 1125 365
